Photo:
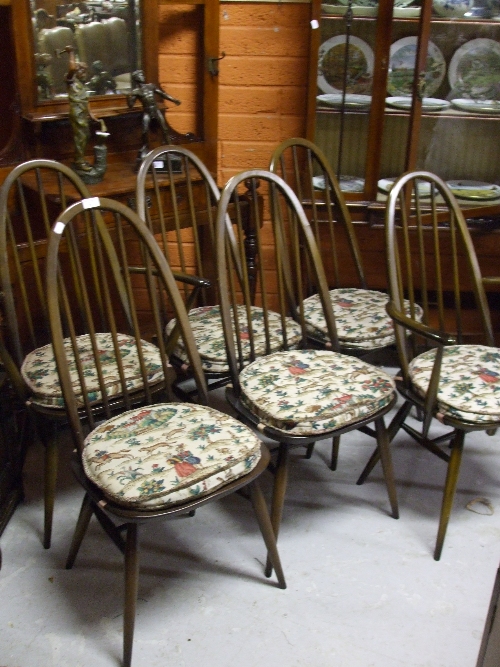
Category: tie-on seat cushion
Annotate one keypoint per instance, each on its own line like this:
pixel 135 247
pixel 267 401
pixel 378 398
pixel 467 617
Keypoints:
pixel 308 392
pixel 360 316
pixel 206 324
pixel 40 373
pixel 469 385
pixel 167 454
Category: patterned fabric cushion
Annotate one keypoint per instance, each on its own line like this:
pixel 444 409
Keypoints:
pixel 308 392
pixel 167 454
pixel 40 373
pixel 206 324
pixel 360 315
pixel 469 386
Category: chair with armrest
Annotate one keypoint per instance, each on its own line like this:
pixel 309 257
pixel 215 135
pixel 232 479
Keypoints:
pixel 140 459
pixel 178 197
pixel 448 372
pixel 31 197
pixel 287 390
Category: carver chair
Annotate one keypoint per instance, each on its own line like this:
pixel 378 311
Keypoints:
pixel 280 385
pixel 448 372
pixel 31 197
pixel 139 458
pixel 178 198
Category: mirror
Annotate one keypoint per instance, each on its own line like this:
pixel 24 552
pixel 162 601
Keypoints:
pixel 104 34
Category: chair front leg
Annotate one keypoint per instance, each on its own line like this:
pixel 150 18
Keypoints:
pixel 260 508
pixel 279 491
pixel 387 467
pixel 450 486
pixel 84 517
pixel 131 589
pixel 51 458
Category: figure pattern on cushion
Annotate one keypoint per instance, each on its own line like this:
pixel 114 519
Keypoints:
pixel 308 392
pixel 206 324
pixel 360 316
pixel 40 373
pixel 168 453
pixel 469 386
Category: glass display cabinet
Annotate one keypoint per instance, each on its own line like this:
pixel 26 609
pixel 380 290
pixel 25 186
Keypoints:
pixel 402 84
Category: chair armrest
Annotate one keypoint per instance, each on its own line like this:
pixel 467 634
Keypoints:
pixel 418 327
pixel 182 277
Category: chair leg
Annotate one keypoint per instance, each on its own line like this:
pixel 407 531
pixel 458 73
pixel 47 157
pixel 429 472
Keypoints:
pixel 335 452
pixel 392 429
pixel 131 589
pixel 50 479
pixel 84 517
pixel 309 450
pixel 279 490
pixel 449 489
pixel 264 520
pixel 387 467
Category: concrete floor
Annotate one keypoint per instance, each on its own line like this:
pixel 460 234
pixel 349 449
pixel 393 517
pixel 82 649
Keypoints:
pixel 363 588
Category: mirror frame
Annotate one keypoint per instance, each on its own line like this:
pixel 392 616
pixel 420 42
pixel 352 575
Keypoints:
pixel 34 110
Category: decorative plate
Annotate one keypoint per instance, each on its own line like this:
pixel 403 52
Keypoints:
pixel 374 3
pixel 474 69
pixel 402 60
pixel 385 186
pixel 347 183
pixel 350 101
pixel 452 8
pixel 477 106
pixel 428 103
pixel 476 190
pixel 340 10
pixel 331 65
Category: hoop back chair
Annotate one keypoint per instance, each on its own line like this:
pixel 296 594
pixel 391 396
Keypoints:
pixel 447 372
pixel 363 325
pixel 139 459
pixel 31 197
pixel 279 385
pixel 178 198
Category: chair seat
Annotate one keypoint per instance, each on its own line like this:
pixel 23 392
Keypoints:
pixel 206 324
pixel 360 315
pixel 167 454
pixel 308 392
pixel 40 373
pixel 469 386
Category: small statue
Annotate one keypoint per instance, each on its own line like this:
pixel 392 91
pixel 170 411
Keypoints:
pixel 101 82
pixel 80 116
pixel 44 81
pixel 146 92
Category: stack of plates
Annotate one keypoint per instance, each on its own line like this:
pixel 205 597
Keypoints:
pixel 350 101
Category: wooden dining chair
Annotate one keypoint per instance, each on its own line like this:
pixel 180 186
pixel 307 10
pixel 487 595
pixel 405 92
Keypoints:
pixel 282 386
pixel 450 369
pixel 363 325
pixel 31 197
pixel 139 456
pixel 177 197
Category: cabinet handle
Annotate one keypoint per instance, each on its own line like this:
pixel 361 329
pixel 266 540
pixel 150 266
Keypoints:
pixel 212 64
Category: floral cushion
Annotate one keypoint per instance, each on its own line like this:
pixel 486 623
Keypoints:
pixel 206 324
pixel 167 454
pixel 308 392
pixel 40 373
pixel 360 315
pixel 469 386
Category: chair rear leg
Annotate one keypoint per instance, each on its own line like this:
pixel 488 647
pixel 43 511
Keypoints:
pixel 264 520
pixel 387 467
pixel 50 479
pixel 335 452
pixel 450 486
pixel 84 517
pixel 131 589
pixel 392 429
pixel 309 450
pixel 279 491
